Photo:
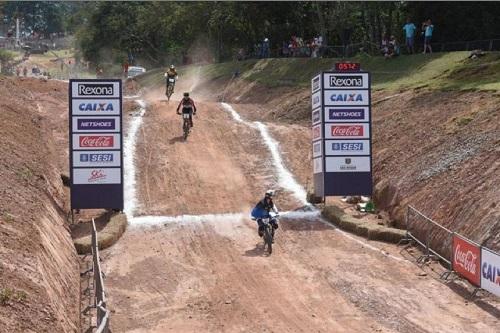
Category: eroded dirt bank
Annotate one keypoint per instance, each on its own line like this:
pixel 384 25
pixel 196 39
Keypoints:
pixel 39 273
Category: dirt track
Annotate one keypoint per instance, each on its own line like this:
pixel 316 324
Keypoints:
pixel 211 274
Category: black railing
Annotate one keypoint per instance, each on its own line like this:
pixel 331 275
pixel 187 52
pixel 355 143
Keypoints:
pixel 99 299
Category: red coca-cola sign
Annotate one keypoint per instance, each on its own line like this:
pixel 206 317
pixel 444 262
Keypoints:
pixel 467 260
pixel 96 141
pixel 347 130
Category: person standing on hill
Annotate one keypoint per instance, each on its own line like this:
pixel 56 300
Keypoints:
pixel 409 29
pixel 427 29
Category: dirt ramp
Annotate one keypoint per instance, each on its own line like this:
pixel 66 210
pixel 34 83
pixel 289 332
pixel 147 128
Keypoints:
pixel 223 167
pixel 39 288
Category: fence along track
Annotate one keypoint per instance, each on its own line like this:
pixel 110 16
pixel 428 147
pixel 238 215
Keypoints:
pixel 422 230
pixel 99 301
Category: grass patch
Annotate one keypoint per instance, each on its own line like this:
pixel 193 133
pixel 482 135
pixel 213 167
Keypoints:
pixel 8 217
pixel 8 295
pixel 25 173
pixel 462 121
pixel 437 71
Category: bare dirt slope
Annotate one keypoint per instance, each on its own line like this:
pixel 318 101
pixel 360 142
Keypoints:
pixel 39 288
pixel 211 274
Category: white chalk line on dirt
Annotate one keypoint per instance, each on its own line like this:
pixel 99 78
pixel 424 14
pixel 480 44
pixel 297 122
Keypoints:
pixel 204 218
pixel 285 177
pixel 287 181
pixel 129 162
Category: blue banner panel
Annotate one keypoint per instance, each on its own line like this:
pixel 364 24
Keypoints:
pixel 97 196
pixel 348 183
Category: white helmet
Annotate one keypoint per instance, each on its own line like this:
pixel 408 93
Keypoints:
pixel 172 67
pixel 269 193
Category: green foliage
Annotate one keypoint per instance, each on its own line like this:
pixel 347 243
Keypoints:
pixel 162 32
pixel 40 16
pixel 6 56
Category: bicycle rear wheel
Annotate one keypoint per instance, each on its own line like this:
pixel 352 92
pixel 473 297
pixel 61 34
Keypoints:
pixel 185 128
pixel 268 238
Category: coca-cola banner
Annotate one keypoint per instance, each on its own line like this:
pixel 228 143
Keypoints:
pixel 467 259
pixel 490 271
pixel 347 131
pixel 95 127
pixel 91 141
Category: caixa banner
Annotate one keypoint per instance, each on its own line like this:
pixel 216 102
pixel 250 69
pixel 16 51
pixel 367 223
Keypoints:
pixel 490 271
pixel 95 132
pixel 467 259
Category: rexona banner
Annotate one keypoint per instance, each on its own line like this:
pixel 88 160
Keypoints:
pixel 490 271
pixel 95 132
pixel 341 134
pixel 467 259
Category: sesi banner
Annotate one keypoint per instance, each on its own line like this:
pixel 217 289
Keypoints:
pixel 467 259
pixel 490 271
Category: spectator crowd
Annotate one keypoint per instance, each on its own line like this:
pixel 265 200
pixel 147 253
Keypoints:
pixel 316 48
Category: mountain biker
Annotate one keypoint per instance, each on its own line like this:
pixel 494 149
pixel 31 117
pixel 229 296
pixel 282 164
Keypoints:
pixel 187 107
pixel 171 74
pixel 262 210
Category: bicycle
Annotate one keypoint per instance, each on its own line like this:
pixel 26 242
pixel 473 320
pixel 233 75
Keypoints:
pixel 186 125
pixel 269 229
pixel 170 87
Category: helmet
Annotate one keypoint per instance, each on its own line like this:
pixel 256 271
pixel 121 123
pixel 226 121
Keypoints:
pixel 172 67
pixel 269 193
pixel 186 94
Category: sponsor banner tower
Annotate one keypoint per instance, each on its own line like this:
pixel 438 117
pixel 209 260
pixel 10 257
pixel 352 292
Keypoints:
pixel 95 127
pixel 341 132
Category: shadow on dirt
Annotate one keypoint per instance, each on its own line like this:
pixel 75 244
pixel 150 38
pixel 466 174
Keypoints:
pixel 177 139
pixel 258 251
pixel 467 294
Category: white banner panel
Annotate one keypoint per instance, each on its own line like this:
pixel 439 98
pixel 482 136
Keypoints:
pixel 348 164
pixel 316 83
pixel 316 100
pixel 316 132
pixel 317 165
pixel 96 159
pixel 96 124
pixel 96 141
pixel 347 131
pixel 97 89
pixel 316 116
pixel 345 81
pixel 346 98
pixel 347 147
pixel 317 149
pixel 490 271
pixel 347 114
pixel 97 176
pixel 95 107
